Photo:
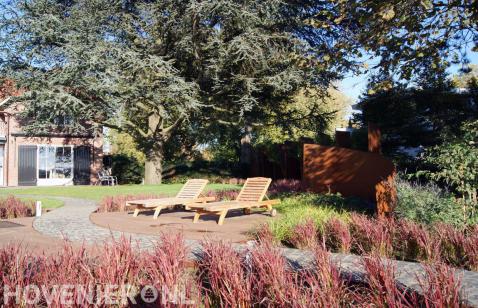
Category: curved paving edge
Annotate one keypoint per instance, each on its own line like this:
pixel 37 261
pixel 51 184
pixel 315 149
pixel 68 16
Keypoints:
pixel 72 222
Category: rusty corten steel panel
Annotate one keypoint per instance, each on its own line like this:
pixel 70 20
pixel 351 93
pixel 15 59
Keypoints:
pixel 374 138
pixel 349 172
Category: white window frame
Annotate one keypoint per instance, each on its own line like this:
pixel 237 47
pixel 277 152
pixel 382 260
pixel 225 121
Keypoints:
pixel 54 181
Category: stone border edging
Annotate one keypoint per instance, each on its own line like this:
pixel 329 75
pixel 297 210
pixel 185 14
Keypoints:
pixel 71 221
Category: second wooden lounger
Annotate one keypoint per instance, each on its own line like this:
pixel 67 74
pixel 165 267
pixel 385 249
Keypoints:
pixel 251 196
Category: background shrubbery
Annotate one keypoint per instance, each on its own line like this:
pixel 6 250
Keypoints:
pixel 127 169
pixel 428 203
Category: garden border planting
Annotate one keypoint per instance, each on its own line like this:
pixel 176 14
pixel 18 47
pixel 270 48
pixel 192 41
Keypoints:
pixel 72 221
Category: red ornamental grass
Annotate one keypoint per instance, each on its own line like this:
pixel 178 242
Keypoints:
pixel 304 235
pixel 223 276
pixel 119 262
pixel 15 272
pixel 382 288
pixel 325 286
pixel 168 261
pixel 69 266
pixel 118 203
pixel 274 285
pixel 372 235
pixel 452 244
pixel 11 207
pixel 285 186
pixel 441 286
pixel 223 194
pixel 167 271
pixel 264 234
pixel 417 243
pixel 470 247
pixel 337 235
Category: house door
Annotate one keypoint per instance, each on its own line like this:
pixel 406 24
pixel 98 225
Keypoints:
pixel 2 156
pixel 81 165
pixel 27 165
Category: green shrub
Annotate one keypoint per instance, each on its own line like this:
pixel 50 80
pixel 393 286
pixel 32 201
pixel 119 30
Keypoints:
pixel 457 162
pixel 298 209
pixel 127 169
pixel 427 204
pixel 180 172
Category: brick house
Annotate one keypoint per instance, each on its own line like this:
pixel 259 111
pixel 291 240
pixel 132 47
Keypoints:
pixel 51 159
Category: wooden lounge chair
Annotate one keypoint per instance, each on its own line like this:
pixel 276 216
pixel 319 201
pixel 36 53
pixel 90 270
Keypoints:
pixel 251 196
pixel 190 193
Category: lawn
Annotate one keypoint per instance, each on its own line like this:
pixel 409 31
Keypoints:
pixel 48 203
pixel 297 209
pixel 98 192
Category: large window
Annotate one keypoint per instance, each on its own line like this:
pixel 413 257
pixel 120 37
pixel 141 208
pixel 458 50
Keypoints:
pixel 55 162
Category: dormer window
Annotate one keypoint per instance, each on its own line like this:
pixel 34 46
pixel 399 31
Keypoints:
pixel 63 120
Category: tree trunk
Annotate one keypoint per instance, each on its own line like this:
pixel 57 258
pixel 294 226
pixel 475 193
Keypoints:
pixel 153 167
pixel 246 151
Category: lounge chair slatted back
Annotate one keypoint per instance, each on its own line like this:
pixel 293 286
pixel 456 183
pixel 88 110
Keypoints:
pixel 254 189
pixel 192 189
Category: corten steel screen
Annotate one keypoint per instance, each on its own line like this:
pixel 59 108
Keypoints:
pixel 349 172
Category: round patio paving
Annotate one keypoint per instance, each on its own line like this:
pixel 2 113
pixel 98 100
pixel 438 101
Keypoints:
pixel 236 229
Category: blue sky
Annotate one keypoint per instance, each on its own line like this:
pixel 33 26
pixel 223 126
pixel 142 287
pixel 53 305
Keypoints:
pixel 353 85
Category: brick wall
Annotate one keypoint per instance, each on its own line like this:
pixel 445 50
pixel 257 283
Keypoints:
pixel 15 138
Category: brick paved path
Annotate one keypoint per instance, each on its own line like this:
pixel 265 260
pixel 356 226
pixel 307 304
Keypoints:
pixel 72 222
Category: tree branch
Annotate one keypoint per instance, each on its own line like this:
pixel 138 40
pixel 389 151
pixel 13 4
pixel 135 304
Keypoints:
pixel 113 126
pixel 167 131
pixel 137 128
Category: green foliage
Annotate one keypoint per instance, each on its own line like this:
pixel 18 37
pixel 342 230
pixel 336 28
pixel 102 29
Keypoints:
pixel 214 171
pixel 456 161
pixel 124 144
pixel 408 37
pixel 162 71
pixel 464 79
pixel 297 209
pixel 127 169
pixel 428 204
pixel 333 107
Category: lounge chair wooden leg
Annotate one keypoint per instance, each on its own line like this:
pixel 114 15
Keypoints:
pixel 156 212
pixel 222 216
pixel 136 212
pixel 196 217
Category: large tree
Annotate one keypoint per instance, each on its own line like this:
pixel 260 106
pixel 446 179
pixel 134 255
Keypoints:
pixel 149 67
